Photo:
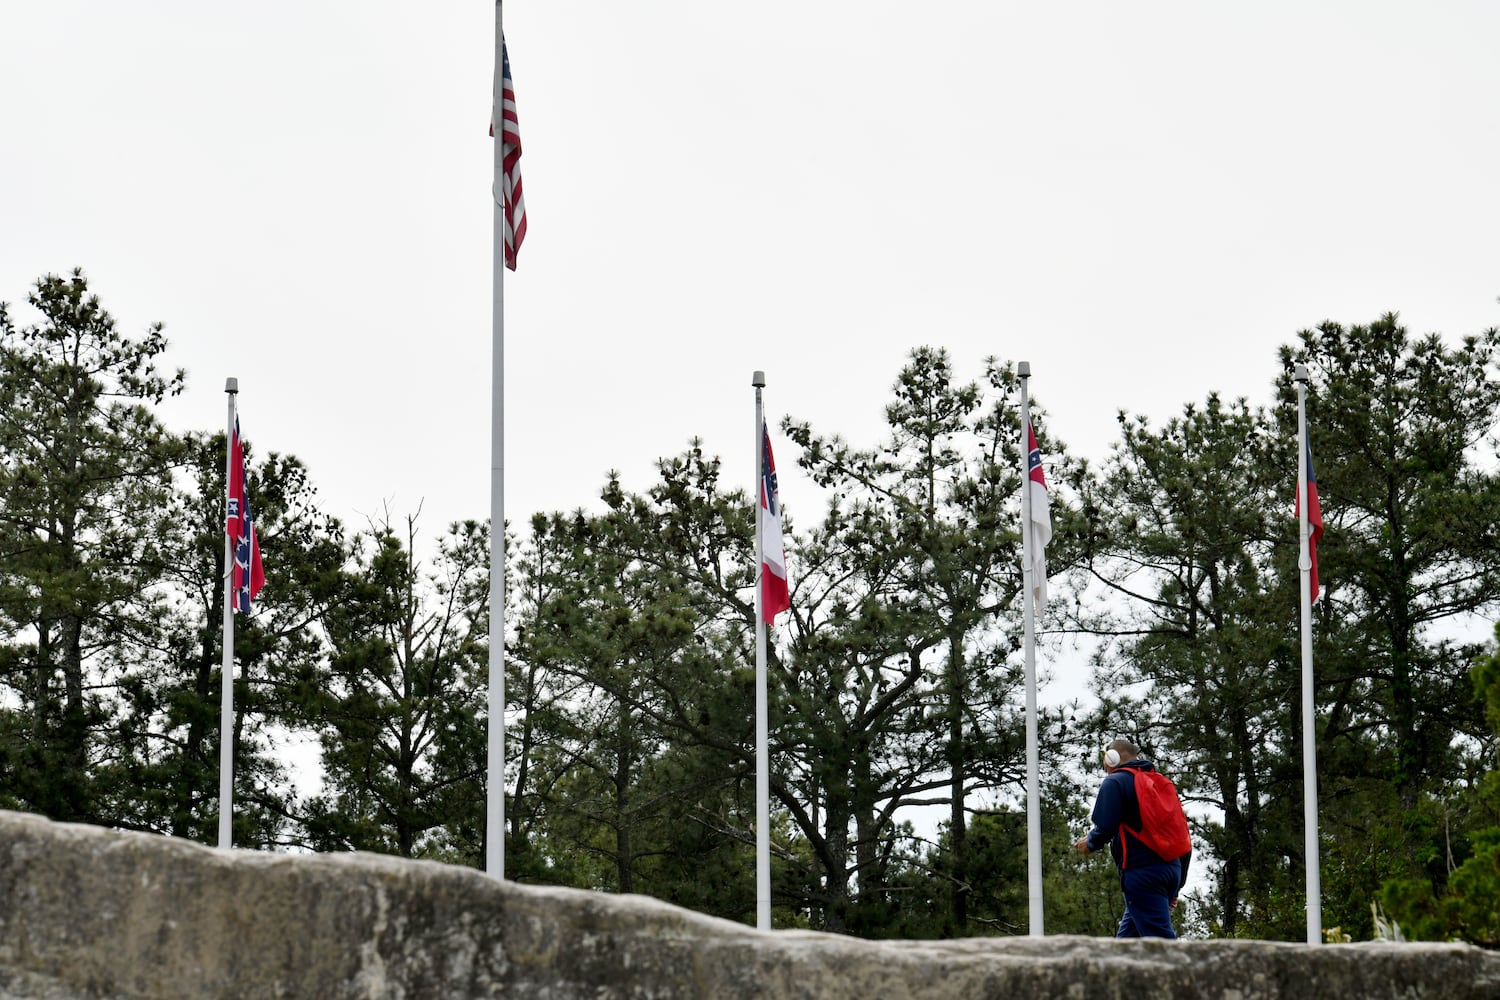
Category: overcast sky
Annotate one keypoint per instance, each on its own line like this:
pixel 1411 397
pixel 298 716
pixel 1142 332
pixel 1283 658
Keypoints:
pixel 1142 199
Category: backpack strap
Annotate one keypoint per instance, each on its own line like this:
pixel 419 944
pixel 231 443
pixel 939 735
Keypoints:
pixel 1124 840
pixel 1124 828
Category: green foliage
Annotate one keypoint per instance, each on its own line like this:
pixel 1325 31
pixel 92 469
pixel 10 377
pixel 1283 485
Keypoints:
pixel 84 472
pixel 1081 893
pixel 1462 903
pixel 1398 426
pixel 1401 430
pixel 168 720
pixel 398 704
pixel 1204 676
pixel 894 682
pixel 902 680
pixel 111 596
pixel 635 726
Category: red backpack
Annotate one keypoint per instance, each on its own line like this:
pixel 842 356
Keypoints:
pixel 1164 826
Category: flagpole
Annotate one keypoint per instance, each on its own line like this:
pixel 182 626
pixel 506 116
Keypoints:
pixel 762 712
pixel 494 809
pixel 226 672
pixel 1033 764
pixel 1309 734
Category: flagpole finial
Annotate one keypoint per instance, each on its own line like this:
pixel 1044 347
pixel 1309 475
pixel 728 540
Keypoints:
pixel 232 385
pixel 1299 374
pixel 758 379
pixel 1023 369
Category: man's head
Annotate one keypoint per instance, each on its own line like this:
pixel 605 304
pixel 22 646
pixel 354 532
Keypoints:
pixel 1119 752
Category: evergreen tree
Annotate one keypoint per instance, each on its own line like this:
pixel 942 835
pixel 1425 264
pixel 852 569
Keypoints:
pixel 539 691
pixel 398 709
pixel 625 622
pixel 168 728
pixel 1191 517
pixel 915 576
pixel 85 471
pixel 1401 431
pixel 1460 903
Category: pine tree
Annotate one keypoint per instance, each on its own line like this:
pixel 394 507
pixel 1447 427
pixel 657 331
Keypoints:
pixel 85 471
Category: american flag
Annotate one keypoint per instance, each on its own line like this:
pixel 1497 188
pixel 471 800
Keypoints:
pixel 239 525
pixel 510 158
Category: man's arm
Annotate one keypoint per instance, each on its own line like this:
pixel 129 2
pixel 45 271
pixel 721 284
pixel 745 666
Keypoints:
pixel 1105 817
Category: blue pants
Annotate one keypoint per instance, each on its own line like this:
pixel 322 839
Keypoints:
pixel 1149 892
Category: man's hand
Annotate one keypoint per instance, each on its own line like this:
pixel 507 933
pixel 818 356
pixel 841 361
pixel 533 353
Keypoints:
pixel 1082 846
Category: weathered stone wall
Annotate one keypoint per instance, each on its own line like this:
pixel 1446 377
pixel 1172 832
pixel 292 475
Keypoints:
pixel 93 913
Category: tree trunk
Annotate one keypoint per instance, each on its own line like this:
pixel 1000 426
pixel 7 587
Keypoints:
pixel 957 820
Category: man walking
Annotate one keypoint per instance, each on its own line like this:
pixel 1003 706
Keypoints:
pixel 1150 846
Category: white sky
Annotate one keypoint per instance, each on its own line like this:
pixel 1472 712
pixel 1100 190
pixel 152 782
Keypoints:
pixel 1143 200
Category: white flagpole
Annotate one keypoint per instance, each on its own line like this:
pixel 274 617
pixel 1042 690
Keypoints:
pixel 1033 764
pixel 494 806
pixel 1309 731
pixel 762 712
pixel 226 672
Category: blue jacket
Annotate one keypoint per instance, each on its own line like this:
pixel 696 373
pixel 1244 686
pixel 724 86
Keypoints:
pixel 1114 810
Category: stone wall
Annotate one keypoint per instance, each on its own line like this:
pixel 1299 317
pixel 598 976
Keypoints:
pixel 93 913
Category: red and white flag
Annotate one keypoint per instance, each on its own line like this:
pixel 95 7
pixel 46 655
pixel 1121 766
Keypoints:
pixel 1041 517
pixel 775 595
pixel 239 525
pixel 510 159
pixel 1314 522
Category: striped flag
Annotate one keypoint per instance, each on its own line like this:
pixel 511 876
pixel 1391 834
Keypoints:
pixel 510 159
pixel 775 596
pixel 239 524
pixel 1314 522
pixel 1041 517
